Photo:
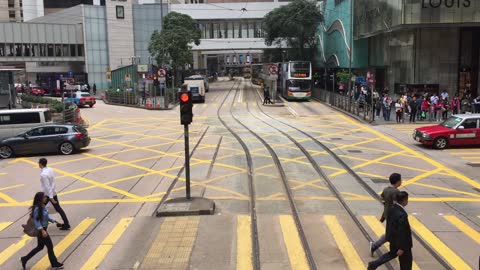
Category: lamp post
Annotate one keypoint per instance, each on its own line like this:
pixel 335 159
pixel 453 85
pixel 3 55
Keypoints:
pixel 352 2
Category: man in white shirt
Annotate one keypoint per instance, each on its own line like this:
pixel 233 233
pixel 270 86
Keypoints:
pixel 444 94
pixel 47 179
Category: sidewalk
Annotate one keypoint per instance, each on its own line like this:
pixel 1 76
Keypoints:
pixel 379 120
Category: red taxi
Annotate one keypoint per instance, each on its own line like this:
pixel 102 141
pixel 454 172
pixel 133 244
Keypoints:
pixel 459 129
pixel 37 91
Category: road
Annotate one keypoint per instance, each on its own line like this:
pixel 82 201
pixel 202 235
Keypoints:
pixel 311 172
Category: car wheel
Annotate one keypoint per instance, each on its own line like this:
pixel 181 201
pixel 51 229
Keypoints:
pixel 440 143
pixel 6 151
pixel 91 105
pixel 66 148
pixel 203 99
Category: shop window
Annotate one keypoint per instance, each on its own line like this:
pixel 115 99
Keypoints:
pixel 43 50
pixel 73 50
pixel 50 50
pixel 26 50
pixel 65 50
pixel 35 50
pixel 58 50
pixel 80 50
pixel 18 49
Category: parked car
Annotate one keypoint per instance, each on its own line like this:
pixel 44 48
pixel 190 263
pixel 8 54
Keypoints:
pixel 459 129
pixel 64 138
pixel 81 99
pixel 16 121
pixel 37 91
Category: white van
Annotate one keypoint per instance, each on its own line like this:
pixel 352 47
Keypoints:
pixel 196 85
pixel 14 122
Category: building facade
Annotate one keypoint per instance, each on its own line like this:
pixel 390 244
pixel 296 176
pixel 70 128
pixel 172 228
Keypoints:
pixel 422 45
pixel 11 10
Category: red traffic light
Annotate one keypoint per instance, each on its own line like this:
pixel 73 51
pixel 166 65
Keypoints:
pixel 184 97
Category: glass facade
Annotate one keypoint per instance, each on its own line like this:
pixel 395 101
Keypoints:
pixel 146 19
pixel 96 44
pixel 231 29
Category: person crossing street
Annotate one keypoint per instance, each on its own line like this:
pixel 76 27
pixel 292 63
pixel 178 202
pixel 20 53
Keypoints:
pixel 47 179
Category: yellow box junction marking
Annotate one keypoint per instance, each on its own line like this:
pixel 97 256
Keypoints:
pixel 296 254
pixel 349 253
pixel 14 248
pixel 65 243
pixel 441 248
pixel 379 230
pixel 101 252
pixel 244 243
pixel 464 228
pixel 4 225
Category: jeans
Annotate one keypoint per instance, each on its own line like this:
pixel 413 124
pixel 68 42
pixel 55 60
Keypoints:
pixel 413 115
pixel 379 242
pixel 405 260
pixel 41 242
pixel 59 210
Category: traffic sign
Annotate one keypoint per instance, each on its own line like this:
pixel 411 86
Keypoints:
pixel 273 69
pixel 127 77
pixel 162 73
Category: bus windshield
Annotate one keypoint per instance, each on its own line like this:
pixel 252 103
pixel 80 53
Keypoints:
pixel 298 85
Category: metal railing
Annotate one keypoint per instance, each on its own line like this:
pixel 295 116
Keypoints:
pixel 166 99
pixel 347 104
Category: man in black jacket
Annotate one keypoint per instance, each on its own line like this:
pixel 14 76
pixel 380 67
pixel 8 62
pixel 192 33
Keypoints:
pixel 398 234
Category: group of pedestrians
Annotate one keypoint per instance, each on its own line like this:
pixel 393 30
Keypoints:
pixel 398 232
pixel 429 107
pixel 41 217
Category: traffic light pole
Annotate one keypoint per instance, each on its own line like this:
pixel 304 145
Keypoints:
pixel 187 163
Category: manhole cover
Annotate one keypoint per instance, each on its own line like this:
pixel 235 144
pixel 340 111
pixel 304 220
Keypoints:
pixel 354 151
pixel 335 139
pixel 379 180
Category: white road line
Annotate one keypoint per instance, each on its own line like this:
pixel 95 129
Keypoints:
pixel 240 97
pixel 292 111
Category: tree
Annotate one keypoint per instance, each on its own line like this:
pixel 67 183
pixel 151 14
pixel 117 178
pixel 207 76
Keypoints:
pixel 173 44
pixel 294 24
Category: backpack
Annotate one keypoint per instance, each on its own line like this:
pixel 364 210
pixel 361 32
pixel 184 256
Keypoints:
pixel 29 228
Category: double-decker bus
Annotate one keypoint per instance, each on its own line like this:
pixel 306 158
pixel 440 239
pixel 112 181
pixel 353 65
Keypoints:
pixel 295 80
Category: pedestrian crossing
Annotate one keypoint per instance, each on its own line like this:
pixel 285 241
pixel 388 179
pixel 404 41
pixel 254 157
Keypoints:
pixel 470 155
pixel 177 235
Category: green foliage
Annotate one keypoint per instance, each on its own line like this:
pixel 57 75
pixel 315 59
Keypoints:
pixel 172 44
pixel 53 104
pixel 295 23
pixel 343 76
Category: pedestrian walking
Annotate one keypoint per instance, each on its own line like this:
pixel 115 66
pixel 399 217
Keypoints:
pixel 398 110
pixel 40 216
pixel 413 109
pixel 455 106
pixel 388 197
pixel 47 179
pixel 94 89
pixel 399 235
pixel 266 96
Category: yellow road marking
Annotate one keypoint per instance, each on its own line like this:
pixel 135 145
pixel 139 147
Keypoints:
pixel 11 187
pixel 464 228
pixel 14 248
pixel 447 189
pixel 101 252
pixel 441 248
pixel 420 177
pixel 244 243
pixel 296 254
pixel 4 225
pixel 65 243
pixel 379 230
pixel 7 198
pixel 373 161
pixel 92 182
pixel 349 253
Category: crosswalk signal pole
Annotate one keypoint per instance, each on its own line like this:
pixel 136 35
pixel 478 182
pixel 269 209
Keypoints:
pixel 186 117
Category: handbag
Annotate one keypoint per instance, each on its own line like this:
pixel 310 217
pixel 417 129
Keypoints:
pixel 29 228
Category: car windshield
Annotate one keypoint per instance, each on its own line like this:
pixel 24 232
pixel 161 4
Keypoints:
pixel 451 121
pixel 85 95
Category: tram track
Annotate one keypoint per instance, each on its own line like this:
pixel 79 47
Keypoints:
pixel 332 187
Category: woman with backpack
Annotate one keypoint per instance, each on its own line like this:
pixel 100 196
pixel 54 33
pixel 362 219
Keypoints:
pixel 39 214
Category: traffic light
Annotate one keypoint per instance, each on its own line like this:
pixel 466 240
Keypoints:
pixel 186 106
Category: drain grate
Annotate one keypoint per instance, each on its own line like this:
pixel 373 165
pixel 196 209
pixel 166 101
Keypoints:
pixel 335 139
pixel 379 180
pixel 474 164
pixel 354 151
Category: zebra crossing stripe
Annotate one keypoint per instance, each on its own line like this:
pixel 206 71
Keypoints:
pixel 44 263
pixel 464 228
pixel 440 247
pixel 349 253
pixel 102 251
pixel 244 243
